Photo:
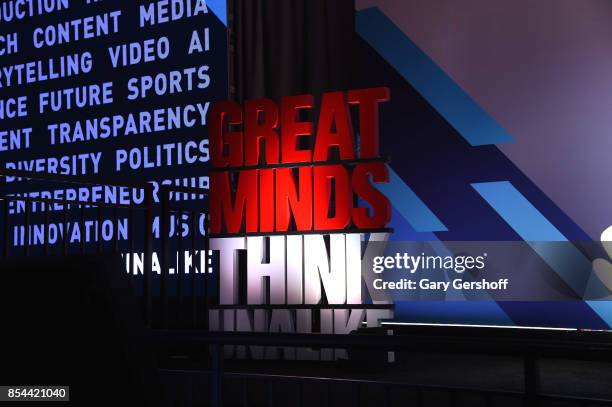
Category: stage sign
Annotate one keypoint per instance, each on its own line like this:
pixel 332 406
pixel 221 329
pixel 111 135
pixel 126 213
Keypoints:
pixel 294 212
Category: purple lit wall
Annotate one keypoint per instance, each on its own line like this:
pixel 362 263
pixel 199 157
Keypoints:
pixel 543 70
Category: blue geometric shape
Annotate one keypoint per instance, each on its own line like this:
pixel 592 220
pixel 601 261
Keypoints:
pixel 219 7
pixel 603 309
pixel 452 102
pixel 452 312
pixel 565 259
pixel 518 212
pixel 403 231
pixel 409 205
pixel 557 314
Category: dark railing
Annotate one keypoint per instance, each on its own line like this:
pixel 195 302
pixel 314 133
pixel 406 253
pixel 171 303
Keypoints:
pixel 171 208
pixel 82 208
pixel 227 387
pixel 80 204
